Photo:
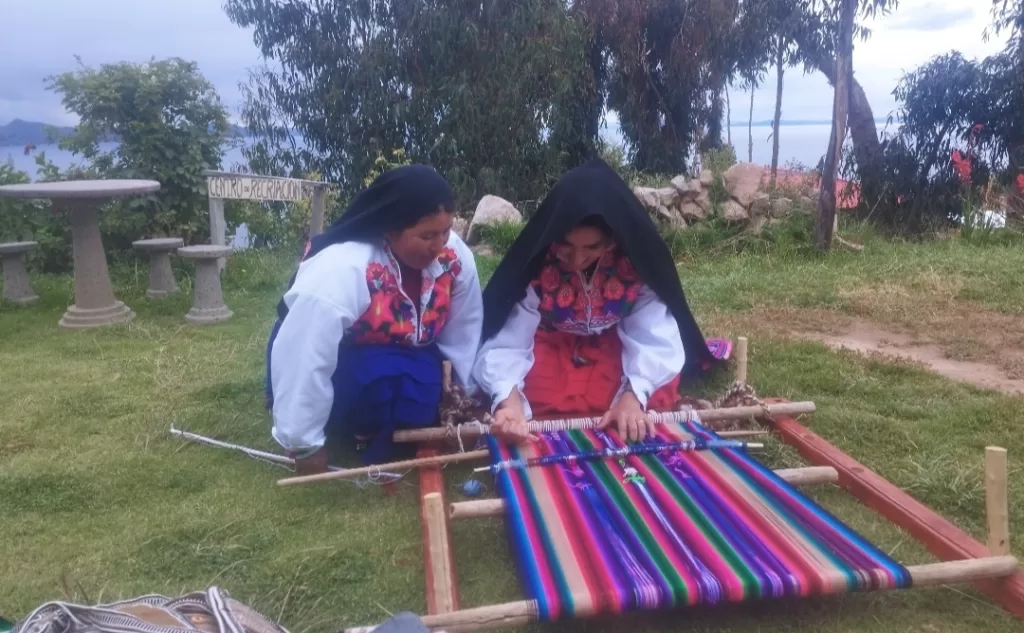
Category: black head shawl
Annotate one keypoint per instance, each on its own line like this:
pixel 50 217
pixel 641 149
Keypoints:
pixel 397 199
pixel 594 189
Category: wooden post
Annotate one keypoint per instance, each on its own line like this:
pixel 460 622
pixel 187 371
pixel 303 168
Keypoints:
pixel 218 227
pixel 996 510
pixel 318 210
pixel 437 541
pixel 741 360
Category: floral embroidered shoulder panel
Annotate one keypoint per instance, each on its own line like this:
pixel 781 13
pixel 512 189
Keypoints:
pixel 392 317
pixel 569 304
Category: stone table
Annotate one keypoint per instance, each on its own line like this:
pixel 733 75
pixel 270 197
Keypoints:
pixel 17 287
pixel 161 276
pixel 208 303
pixel 95 304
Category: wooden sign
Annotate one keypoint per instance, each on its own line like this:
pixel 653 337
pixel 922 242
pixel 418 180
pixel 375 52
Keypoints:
pixel 243 187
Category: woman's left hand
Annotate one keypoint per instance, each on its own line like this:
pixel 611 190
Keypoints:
pixel 629 418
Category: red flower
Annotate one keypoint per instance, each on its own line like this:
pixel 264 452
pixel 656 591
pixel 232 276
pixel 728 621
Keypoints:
pixel 624 269
pixel 577 282
pixel 614 290
pixel 547 304
pixel 1020 184
pixel 962 166
pixel 442 296
pixel 380 311
pixel 566 296
pixel 549 278
pixel 632 293
pixel 380 276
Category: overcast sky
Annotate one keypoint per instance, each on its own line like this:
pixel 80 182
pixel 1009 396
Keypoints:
pixel 42 37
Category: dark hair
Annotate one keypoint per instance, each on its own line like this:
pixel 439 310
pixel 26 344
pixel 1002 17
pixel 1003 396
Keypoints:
pixel 599 223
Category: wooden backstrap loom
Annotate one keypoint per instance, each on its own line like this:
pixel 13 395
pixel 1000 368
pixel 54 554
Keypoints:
pixel 694 520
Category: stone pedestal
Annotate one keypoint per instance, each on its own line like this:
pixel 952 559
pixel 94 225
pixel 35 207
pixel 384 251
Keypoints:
pixel 95 304
pixel 17 287
pixel 208 302
pixel 161 277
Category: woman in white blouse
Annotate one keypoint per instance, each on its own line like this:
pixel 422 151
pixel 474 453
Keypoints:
pixel 586 315
pixel 379 300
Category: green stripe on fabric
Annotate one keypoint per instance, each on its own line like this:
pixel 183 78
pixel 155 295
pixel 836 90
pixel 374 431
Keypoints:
pixel 545 536
pixel 752 585
pixel 792 519
pixel 625 507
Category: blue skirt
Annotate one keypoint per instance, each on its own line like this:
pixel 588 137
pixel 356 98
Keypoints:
pixel 379 389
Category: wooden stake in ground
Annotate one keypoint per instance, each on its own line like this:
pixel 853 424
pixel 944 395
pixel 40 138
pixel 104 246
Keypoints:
pixel 996 510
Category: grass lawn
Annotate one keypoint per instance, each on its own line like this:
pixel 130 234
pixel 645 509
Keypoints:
pixel 98 501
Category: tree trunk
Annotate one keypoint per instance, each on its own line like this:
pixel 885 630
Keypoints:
pixel 825 222
pixel 750 128
pixel 867 149
pixel 779 69
pixel 728 117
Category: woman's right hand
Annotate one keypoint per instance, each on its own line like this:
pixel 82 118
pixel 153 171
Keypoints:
pixel 313 464
pixel 509 421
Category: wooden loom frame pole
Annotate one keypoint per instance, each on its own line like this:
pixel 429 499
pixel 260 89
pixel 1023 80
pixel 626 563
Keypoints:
pixel 512 614
pixel 935 532
pixel 433 459
pixel 431 486
pixel 996 508
pixel 809 476
pixel 467 431
pixel 741 360
pixel 436 459
pixel 438 544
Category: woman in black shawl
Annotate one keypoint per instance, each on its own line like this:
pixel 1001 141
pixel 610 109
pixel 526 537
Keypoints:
pixel 379 300
pixel 585 315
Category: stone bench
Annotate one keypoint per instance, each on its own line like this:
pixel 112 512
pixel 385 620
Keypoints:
pixel 208 302
pixel 17 287
pixel 161 277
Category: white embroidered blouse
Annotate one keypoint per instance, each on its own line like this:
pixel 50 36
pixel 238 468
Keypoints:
pixel 354 290
pixel 652 349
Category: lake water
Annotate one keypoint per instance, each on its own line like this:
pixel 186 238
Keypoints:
pixel 802 144
pixel 805 144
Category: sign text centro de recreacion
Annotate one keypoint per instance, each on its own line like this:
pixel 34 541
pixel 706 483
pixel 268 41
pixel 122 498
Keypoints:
pixel 255 188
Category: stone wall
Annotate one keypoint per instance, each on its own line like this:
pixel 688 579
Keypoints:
pixel 739 195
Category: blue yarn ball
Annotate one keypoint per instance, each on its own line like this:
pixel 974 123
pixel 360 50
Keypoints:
pixel 472 488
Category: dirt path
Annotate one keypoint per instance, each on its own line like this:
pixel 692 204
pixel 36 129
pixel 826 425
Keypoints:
pixel 865 337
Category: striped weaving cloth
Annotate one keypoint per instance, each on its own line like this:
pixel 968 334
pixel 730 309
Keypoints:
pixel 668 530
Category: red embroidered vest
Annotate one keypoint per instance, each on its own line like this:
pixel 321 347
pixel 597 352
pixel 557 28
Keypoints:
pixel 391 317
pixel 568 304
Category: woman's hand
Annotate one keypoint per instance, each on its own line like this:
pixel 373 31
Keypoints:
pixel 312 465
pixel 509 422
pixel 629 419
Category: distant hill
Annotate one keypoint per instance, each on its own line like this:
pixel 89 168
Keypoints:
pixel 19 132
pixel 22 133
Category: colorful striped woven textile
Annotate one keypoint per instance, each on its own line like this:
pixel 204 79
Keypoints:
pixel 672 529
